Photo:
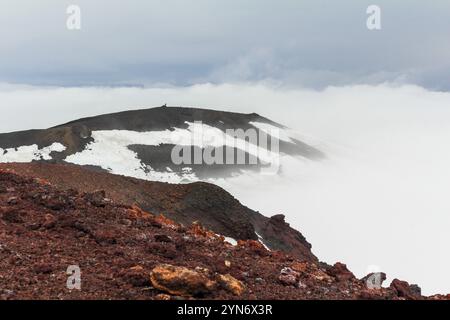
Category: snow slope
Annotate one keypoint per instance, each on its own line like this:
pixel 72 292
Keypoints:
pixel 110 151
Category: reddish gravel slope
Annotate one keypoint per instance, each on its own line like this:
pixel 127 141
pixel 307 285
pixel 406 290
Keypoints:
pixel 126 253
pixel 215 208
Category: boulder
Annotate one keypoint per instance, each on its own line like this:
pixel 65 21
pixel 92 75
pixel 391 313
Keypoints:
pixel 97 198
pixel 180 281
pixel 340 272
pixel 374 280
pixel 404 290
pixel 231 284
pixel 288 277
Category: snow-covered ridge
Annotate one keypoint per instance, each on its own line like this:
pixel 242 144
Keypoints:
pixel 29 153
pixel 110 151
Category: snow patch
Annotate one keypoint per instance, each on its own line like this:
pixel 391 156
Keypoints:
pixel 110 151
pixel 261 240
pixel 25 154
pixel 231 241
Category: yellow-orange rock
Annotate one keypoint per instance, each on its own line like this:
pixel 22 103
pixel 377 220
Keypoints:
pixel 162 296
pixel 167 222
pixel 311 270
pixel 180 281
pixel 137 213
pixel 199 231
pixel 300 266
pixel 231 284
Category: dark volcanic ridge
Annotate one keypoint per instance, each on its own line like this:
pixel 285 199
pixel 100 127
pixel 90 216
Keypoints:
pixel 142 139
pixel 209 204
pixel 124 252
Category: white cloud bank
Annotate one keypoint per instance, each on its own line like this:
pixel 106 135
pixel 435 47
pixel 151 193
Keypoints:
pixel 382 196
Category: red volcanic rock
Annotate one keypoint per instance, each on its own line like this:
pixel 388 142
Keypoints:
pixel 277 234
pixel 137 276
pixel 11 215
pixel 117 246
pixel 181 281
pixel 289 277
pixel 404 290
pixel 254 246
pixel 213 207
pixel 231 284
pixel 55 202
pixel 340 272
pixel 137 213
pixel 439 297
pixel 97 198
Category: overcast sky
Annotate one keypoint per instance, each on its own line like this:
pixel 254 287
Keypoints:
pixel 390 177
pixel 291 42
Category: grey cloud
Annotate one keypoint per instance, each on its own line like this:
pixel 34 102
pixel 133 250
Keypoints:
pixel 310 43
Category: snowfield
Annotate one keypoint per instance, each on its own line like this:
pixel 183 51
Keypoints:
pixel 110 151
pixel 29 153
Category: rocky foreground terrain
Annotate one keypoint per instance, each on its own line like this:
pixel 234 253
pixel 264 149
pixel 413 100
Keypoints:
pixel 125 252
pixel 209 204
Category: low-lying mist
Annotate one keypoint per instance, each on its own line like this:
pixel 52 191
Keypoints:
pixel 381 199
